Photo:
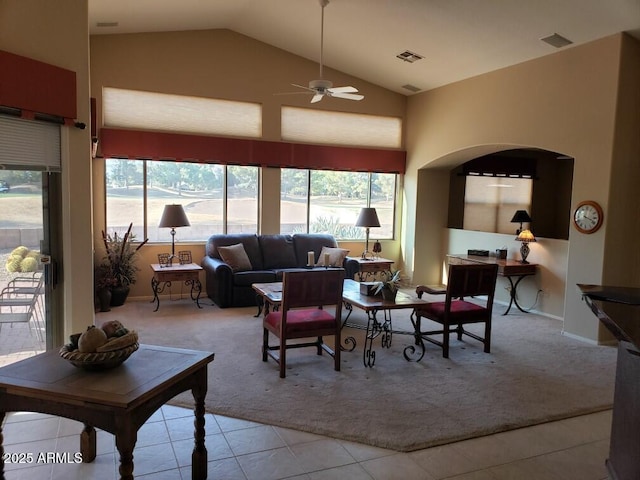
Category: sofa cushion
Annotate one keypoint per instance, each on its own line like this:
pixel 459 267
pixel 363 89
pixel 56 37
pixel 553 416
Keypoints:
pixel 248 240
pixel 246 279
pixel 307 242
pixel 236 257
pixel 336 256
pixel 277 251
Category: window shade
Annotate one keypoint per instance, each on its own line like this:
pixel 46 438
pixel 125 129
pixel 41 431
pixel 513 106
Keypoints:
pixel 180 113
pixel 27 143
pixel 338 128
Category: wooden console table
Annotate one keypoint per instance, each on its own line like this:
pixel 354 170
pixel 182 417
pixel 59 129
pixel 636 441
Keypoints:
pixel 509 269
pixel 618 309
pixel 164 275
pixel 118 400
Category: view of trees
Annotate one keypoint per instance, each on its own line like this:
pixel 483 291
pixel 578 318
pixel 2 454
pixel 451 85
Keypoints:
pixel 335 198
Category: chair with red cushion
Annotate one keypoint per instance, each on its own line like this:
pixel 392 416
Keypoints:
pixel 302 314
pixel 465 281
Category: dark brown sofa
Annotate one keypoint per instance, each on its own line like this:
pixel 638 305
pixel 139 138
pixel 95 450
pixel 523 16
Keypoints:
pixel 270 256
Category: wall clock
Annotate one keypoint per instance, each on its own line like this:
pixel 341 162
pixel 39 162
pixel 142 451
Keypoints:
pixel 588 217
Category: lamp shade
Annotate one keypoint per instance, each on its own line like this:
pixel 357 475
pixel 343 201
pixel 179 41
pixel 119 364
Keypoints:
pixel 173 216
pixel 521 216
pixel 526 236
pixel 368 218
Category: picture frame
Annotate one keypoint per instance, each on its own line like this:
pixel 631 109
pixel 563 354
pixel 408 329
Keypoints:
pixel 185 257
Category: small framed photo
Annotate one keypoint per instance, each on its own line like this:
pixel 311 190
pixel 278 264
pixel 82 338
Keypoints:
pixel 163 259
pixel 185 257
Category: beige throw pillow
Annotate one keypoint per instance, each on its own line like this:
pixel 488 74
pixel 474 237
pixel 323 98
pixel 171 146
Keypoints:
pixel 336 256
pixel 236 257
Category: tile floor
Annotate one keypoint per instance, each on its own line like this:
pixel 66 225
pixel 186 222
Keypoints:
pixel 575 448
pixel 239 450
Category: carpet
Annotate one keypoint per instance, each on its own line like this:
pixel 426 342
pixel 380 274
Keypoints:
pixel 532 375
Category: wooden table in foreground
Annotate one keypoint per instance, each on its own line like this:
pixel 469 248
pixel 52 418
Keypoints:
pixel 271 294
pixel 164 275
pixel 118 400
pixel 506 268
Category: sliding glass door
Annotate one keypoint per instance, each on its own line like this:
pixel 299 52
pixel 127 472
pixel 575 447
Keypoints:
pixel 30 245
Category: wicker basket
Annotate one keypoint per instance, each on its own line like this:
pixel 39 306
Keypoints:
pixel 97 360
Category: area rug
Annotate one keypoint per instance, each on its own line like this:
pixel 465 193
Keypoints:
pixel 533 374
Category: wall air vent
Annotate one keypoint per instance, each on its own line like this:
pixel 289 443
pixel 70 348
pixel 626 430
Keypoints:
pixel 408 56
pixel 556 40
pixel 107 24
pixel 411 88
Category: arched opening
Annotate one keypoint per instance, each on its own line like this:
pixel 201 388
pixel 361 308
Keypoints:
pixel 440 206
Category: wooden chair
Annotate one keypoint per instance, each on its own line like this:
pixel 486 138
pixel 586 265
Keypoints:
pixel 465 280
pixel 295 319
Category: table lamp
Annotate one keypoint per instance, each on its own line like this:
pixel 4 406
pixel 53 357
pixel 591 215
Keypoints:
pixel 367 218
pixel 526 237
pixel 173 217
pixel 521 216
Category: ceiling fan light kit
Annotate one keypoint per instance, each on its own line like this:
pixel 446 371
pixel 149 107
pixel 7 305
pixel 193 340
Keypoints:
pixel 321 88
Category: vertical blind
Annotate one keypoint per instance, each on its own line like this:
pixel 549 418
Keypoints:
pixel 29 143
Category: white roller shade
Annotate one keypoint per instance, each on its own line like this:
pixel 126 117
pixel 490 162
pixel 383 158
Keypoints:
pixel 28 143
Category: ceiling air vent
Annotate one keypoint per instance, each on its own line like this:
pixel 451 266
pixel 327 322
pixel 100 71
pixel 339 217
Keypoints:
pixel 556 40
pixel 411 88
pixel 408 56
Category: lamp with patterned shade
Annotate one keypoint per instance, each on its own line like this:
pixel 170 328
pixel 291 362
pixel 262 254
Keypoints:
pixel 526 237
pixel 173 217
pixel 368 218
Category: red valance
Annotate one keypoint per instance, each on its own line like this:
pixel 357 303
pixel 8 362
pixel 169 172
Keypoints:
pixel 137 144
pixel 35 87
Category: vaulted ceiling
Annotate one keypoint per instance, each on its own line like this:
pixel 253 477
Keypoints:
pixel 457 39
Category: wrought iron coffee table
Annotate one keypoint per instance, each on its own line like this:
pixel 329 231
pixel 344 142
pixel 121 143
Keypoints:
pixel 271 297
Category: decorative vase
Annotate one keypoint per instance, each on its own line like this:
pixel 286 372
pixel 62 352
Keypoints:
pixel 119 296
pixel 388 294
pixel 104 299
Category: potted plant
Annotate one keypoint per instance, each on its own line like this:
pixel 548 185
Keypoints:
pixel 389 286
pixel 103 284
pixel 119 264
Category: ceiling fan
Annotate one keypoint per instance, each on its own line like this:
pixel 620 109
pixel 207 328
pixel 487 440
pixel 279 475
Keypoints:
pixel 324 88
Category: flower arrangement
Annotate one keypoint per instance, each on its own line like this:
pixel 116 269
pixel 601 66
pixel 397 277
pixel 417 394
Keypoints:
pixel 119 264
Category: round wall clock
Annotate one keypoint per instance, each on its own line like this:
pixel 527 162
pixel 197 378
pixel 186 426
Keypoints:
pixel 588 217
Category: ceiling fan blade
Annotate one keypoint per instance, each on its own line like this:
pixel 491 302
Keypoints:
pixel 343 90
pixel 303 86
pixel 348 96
pixel 293 93
pixel 317 97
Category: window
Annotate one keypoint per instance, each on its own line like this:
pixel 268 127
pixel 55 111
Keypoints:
pixel 338 128
pixel 180 113
pixel 216 198
pixel 329 202
pixel 490 202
